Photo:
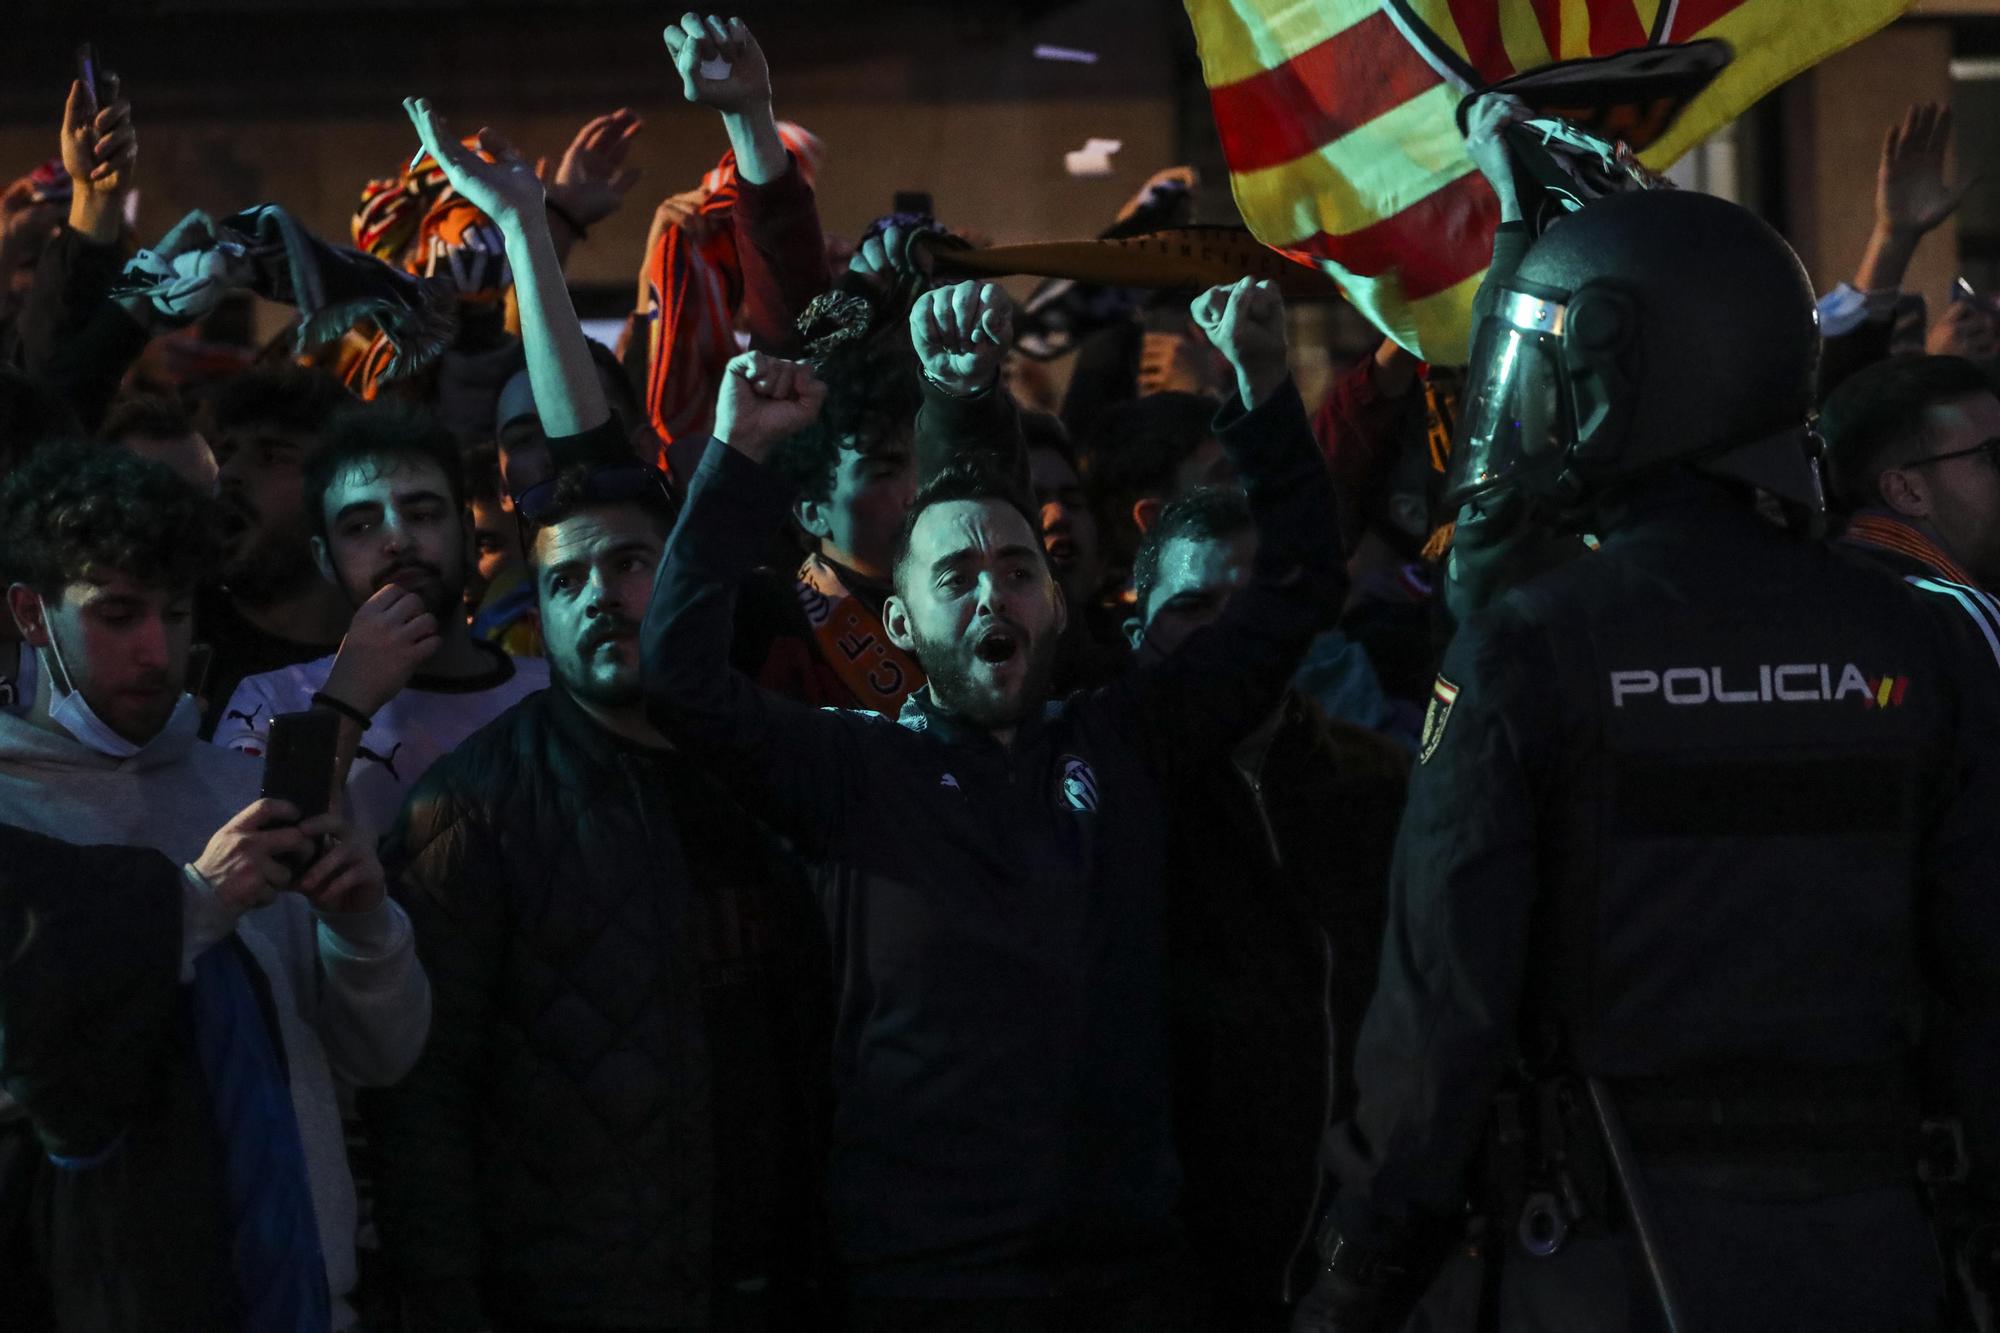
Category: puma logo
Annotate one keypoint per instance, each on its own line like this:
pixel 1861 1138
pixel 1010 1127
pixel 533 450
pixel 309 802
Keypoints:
pixel 387 761
pixel 249 718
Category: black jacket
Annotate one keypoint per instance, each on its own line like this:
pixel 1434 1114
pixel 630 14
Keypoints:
pixel 1714 804
pixel 612 1115
pixel 96 1053
pixel 1270 980
pixel 997 912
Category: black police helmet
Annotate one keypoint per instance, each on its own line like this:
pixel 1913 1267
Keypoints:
pixel 1648 329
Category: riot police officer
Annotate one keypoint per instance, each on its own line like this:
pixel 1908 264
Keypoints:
pixel 1693 967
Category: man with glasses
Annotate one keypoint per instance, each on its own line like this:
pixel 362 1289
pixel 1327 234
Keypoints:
pixel 1913 453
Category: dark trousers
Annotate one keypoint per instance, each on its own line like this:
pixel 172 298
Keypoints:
pixel 1861 1262
pixel 1175 1310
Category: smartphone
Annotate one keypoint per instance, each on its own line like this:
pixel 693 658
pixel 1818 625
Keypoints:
pixel 298 760
pixel 86 74
pixel 914 201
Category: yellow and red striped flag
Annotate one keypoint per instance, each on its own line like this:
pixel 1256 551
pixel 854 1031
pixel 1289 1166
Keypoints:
pixel 1337 118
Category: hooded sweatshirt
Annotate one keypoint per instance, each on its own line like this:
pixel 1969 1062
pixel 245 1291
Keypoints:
pixel 350 997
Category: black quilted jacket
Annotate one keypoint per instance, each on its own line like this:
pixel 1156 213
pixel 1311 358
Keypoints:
pixel 614 1115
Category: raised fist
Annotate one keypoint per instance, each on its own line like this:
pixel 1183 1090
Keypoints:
pixel 720 64
pixel 962 334
pixel 1245 321
pixel 765 400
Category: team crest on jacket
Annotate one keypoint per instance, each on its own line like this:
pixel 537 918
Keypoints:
pixel 1443 695
pixel 1079 784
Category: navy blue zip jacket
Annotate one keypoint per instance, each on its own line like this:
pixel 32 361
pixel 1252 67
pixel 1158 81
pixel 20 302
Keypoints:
pixel 1002 1125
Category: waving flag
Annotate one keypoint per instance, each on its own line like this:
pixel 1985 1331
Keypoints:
pixel 1337 118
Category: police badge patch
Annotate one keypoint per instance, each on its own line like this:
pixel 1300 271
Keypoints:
pixel 1079 784
pixel 1443 695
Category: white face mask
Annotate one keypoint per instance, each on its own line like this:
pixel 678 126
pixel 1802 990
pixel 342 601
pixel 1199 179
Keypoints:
pixel 73 713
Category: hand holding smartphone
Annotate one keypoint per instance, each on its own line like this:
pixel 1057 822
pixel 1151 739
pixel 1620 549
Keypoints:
pixel 299 765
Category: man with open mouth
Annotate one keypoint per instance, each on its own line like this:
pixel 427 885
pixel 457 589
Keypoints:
pixel 991 863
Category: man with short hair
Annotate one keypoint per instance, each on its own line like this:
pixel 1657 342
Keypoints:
pixel 1913 447
pixel 1269 980
pixel 1143 454
pixel 30 412
pixel 1093 653
pixel 103 552
pixel 155 427
pixel 610 1127
pixel 993 864
pixel 409 681
pixel 271 608
pixel 854 470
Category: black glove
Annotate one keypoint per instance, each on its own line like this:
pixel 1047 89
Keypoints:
pixel 1356 1292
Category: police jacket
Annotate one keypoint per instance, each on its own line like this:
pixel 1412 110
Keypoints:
pixel 997 911
pixel 612 1116
pixel 1712 801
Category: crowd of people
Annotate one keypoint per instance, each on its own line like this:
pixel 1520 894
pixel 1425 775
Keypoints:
pixel 832 835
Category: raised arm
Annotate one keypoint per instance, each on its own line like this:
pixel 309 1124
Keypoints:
pixel 1912 197
pixel 778 239
pixel 568 395
pixel 961 334
pixel 1226 678
pixel 793 763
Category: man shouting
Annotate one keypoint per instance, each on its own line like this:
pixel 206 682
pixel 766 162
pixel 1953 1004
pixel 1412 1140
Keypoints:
pixel 991 863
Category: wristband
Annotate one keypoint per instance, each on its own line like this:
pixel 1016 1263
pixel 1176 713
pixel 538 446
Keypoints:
pixel 322 699
pixel 568 219
pixel 950 392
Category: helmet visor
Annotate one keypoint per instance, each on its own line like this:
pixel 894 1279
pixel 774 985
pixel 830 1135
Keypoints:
pixel 1515 415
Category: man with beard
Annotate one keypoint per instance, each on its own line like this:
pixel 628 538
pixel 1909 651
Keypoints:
pixel 991 864
pixel 271 608
pixel 392 534
pixel 609 1125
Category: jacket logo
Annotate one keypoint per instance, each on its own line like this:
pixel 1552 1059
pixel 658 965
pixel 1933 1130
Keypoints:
pixel 1792 683
pixel 1079 784
pixel 1436 715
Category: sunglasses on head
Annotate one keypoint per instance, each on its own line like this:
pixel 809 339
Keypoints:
pixel 621 481
pixel 636 481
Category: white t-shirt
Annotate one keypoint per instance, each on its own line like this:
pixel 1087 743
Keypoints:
pixel 424 722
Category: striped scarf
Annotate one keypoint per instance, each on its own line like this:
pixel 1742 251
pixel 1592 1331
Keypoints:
pixel 1875 529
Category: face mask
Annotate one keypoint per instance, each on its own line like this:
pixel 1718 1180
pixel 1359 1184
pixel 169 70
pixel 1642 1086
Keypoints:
pixel 73 713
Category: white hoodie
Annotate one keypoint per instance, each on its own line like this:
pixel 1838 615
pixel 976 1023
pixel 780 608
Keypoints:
pixel 349 994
